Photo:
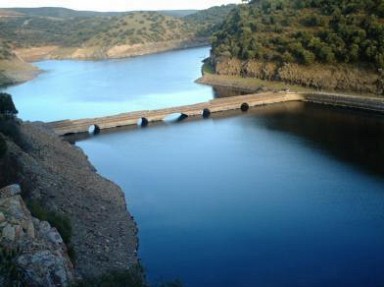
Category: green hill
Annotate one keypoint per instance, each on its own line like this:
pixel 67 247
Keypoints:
pixel 69 28
pixel 36 33
pixel 207 21
pixel 297 33
pixel 140 28
pixel 56 12
pixel 178 13
pixel 5 50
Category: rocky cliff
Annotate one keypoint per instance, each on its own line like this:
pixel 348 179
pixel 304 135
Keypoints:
pixel 59 177
pixel 38 250
pixel 341 77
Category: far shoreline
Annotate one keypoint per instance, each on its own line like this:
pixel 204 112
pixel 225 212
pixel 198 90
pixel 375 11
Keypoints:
pixel 340 99
pixel 254 85
pixel 28 71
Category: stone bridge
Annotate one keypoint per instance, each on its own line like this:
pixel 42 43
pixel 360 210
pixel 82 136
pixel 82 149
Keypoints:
pixel 243 103
pixel 143 118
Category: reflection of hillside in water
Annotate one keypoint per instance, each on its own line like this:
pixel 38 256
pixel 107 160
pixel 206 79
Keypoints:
pixel 355 137
pixel 223 92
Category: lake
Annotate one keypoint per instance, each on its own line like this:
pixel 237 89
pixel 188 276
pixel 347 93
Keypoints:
pixel 287 195
pixel 284 195
pixel 81 89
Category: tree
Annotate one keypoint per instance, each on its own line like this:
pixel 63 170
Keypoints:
pixel 3 147
pixel 7 107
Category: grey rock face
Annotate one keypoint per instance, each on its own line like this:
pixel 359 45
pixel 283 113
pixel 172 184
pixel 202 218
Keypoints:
pixel 40 253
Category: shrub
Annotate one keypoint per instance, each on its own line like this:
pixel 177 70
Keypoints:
pixel 3 147
pixel 11 129
pixel 7 107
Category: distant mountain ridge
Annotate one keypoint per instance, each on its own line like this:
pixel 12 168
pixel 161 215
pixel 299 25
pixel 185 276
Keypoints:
pixel 34 27
pixel 58 12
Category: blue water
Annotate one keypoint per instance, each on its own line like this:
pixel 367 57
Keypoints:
pixel 285 195
pixel 80 89
pixel 254 200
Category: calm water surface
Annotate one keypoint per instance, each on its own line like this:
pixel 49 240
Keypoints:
pixel 288 195
pixel 80 89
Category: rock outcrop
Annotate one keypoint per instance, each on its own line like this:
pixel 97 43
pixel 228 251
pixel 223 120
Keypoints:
pixel 59 177
pixel 40 255
pixel 341 77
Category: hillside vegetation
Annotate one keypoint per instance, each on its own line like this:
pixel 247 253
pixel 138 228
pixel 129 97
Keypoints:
pixel 141 27
pixel 208 21
pixel 40 33
pixel 292 35
pixel 67 28
pixel 12 68
pixel 138 27
pixel 5 50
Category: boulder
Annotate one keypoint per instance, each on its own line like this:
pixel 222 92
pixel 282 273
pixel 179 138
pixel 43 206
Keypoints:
pixel 40 254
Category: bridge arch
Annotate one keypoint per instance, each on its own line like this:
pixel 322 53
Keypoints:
pixel 142 122
pixel 175 117
pixel 94 129
pixel 244 107
pixel 206 113
pixel 182 117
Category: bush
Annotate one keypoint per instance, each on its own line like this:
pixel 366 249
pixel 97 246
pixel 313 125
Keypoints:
pixel 11 129
pixel 7 107
pixel 3 147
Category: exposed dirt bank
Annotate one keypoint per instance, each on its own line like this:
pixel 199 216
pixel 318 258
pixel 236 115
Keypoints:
pixel 365 102
pixel 112 52
pixel 340 78
pixel 17 70
pixel 60 177
pixel 14 71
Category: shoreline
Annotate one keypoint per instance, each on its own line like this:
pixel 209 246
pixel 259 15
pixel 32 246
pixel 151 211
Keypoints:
pixel 22 70
pixel 35 54
pixel 16 71
pixel 253 85
pixel 353 100
pixel 60 177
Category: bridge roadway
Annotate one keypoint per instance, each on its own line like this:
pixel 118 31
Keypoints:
pixel 66 127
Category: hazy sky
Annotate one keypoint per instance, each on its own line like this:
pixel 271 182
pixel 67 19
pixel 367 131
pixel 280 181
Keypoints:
pixel 117 5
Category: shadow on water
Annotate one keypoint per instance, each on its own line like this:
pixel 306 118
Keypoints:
pixel 355 137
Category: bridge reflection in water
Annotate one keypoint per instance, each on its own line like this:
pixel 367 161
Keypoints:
pixel 243 103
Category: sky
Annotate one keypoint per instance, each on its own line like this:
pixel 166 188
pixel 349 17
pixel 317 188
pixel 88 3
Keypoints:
pixel 117 5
